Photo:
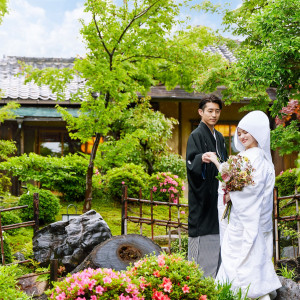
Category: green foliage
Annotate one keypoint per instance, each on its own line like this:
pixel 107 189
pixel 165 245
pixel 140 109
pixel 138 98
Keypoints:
pixel 184 246
pixel 285 272
pixel 286 138
pixel 66 174
pixel 225 293
pixel 8 218
pixel 3 9
pixel 164 185
pixel 172 275
pixel 48 206
pixel 7 148
pixel 172 163
pixel 131 175
pixel 8 283
pixel 5 183
pixel 7 111
pixel 286 182
pixel 7 251
pixel 142 136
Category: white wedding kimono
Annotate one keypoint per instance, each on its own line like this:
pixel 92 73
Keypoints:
pixel 246 242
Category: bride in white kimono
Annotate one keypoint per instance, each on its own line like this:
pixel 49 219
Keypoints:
pixel 246 240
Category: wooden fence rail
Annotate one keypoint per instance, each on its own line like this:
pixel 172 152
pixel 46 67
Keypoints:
pixel 34 223
pixel 277 218
pixel 151 221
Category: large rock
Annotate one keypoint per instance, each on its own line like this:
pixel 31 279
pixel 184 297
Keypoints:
pixel 70 241
pixel 290 290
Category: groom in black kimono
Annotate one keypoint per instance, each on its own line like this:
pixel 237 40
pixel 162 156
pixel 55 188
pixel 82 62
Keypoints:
pixel 204 242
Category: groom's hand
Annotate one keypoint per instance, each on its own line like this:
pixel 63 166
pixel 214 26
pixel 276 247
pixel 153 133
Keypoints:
pixel 206 156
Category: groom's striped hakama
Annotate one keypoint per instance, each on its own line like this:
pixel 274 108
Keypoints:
pixel 205 251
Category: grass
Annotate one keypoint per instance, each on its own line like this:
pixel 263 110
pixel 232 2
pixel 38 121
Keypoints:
pixel 111 213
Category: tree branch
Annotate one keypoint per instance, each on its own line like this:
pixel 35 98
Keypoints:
pixel 100 36
pixel 142 13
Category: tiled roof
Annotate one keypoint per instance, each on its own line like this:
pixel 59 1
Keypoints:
pixel 13 87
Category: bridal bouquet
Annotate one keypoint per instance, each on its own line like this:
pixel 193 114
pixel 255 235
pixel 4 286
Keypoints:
pixel 236 173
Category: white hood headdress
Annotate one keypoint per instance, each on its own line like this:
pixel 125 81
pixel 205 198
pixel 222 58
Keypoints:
pixel 258 125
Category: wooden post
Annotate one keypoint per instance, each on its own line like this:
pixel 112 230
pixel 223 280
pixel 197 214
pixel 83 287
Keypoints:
pixel 123 210
pixel 152 221
pixel 298 223
pixel 170 219
pixel 179 223
pixel 2 246
pixel 275 227
pixel 36 212
pixel 53 271
pixel 141 212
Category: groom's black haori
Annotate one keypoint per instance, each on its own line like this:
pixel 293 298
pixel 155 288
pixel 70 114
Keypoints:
pixel 204 242
pixel 203 185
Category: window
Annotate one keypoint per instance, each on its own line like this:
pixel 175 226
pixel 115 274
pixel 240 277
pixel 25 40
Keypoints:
pixel 56 143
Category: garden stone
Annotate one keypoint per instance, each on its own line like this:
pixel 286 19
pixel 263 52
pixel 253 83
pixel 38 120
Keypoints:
pixel 70 241
pixel 19 256
pixel 290 290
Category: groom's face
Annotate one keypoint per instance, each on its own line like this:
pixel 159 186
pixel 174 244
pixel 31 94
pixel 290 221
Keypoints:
pixel 210 114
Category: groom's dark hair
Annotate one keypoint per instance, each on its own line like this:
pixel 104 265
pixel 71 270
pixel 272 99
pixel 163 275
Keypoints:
pixel 211 99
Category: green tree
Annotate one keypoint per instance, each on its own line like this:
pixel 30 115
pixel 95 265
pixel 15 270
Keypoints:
pixel 268 57
pixel 140 137
pixel 3 9
pixel 129 49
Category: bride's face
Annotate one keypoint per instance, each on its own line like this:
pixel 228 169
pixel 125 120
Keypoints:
pixel 247 140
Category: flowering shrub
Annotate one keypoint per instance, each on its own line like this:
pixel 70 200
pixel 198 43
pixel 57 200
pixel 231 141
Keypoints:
pixel 288 112
pixel 172 277
pixel 96 284
pixel 164 183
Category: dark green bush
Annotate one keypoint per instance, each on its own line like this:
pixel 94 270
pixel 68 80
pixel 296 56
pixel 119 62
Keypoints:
pixel 48 206
pixel 164 185
pixel 131 175
pixel 286 182
pixel 8 218
pixel 173 163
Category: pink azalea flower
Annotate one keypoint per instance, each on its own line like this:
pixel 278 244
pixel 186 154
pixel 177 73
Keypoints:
pixel 281 173
pixel 61 296
pixel 175 201
pixel 185 289
pixel 203 297
pixel 154 189
pixel 290 170
pixel 99 289
pixel 156 273
pixel 123 182
pixel 183 188
pixel 107 279
pixel 182 212
pixel 93 297
pixel 175 176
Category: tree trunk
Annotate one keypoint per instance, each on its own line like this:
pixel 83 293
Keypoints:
pixel 118 252
pixel 89 176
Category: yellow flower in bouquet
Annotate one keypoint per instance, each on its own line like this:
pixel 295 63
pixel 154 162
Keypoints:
pixel 236 173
